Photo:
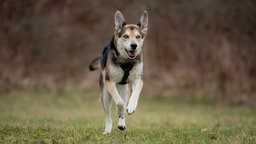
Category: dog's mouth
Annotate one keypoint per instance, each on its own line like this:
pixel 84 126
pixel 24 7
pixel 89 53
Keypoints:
pixel 131 53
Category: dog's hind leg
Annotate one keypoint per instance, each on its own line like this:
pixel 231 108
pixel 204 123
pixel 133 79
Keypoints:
pixel 123 91
pixel 106 102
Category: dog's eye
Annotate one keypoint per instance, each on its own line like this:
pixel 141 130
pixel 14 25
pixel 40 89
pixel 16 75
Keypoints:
pixel 138 37
pixel 125 36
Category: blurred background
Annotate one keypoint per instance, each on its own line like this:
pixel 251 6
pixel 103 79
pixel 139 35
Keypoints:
pixel 195 49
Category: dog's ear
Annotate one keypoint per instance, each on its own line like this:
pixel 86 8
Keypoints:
pixel 119 21
pixel 143 23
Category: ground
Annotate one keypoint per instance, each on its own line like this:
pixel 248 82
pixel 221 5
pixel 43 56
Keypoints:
pixel 36 116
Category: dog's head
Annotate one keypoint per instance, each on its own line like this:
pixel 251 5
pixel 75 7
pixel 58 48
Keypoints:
pixel 129 37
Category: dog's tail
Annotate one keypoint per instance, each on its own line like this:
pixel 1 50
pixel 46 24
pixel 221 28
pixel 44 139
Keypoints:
pixel 95 64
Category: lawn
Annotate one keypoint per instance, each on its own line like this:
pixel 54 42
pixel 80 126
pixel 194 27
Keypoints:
pixel 30 116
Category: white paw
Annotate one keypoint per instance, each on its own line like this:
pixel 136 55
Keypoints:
pixel 106 132
pixel 121 124
pixel 120 110
pixel 108 127
pixel 131 107
pixel 121 127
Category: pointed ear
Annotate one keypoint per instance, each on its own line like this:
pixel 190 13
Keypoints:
pixel 143 23
pixel 119 21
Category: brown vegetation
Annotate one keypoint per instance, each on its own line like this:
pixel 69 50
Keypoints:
pixel 205 46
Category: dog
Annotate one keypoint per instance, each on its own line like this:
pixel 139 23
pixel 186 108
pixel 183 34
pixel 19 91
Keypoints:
pixel 121 67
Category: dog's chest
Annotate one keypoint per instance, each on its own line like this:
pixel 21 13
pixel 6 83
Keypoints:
pixel 116 73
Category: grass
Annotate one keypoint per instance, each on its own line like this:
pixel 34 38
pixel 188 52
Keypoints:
pixel 77 117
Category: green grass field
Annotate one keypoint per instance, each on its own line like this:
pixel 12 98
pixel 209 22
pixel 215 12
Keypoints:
pixel 77 117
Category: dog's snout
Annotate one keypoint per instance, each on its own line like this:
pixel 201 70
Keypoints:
pixel 133 46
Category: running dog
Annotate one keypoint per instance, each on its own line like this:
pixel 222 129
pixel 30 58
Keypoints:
pixel 121 68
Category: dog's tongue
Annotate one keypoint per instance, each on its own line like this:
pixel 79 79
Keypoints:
pixel 131 52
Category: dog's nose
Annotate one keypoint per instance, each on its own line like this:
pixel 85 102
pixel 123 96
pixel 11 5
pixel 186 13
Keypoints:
pixel 133 46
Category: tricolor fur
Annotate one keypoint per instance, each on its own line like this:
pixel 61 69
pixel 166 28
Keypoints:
pixel 121 68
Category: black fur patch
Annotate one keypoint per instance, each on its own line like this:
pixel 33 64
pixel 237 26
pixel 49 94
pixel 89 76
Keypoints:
pixel 132 28
pixel 107 77
pixel 139 24
pixel 106 49
pixel 104 57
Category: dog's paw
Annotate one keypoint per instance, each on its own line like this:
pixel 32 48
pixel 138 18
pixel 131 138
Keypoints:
pixel 131 107
pixel 121 124
pixel 106 132
pixel 121 127
pixel 108 127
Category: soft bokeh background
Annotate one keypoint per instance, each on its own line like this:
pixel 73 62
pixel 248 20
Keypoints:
pixel 196 49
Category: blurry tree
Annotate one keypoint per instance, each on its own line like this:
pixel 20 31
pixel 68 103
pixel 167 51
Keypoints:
pixel 193 46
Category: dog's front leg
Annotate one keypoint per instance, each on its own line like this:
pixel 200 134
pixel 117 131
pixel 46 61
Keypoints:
pixel 111 86
pixel 136 89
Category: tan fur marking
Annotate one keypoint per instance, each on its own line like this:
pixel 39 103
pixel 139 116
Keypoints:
pixel 131 25
pixel 128 95
pixel 113 91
